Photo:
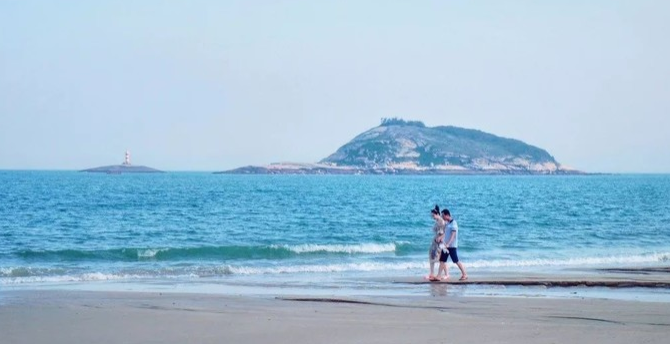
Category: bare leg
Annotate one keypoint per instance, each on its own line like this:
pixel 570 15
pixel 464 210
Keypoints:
pixel 432 262
pixel 464 275
pixel 443 268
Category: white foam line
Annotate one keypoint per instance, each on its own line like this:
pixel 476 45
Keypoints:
pixel 607 260
pixel 150 253
pixel 335 248
pixel 7 272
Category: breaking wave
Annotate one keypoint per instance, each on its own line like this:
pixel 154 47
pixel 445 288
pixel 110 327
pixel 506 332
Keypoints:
pixel 209 252
pixel 19 275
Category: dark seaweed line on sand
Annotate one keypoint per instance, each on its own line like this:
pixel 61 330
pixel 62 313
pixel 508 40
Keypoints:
pixel 353 302
pixel 604 320
pixel 642 271
pixel 608 284
pixel 587 319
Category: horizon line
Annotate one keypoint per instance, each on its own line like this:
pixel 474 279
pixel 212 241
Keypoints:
pixel 220 170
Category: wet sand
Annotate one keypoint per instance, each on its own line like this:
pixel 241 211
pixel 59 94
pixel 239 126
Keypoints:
pixel 648 277
pixel 132 317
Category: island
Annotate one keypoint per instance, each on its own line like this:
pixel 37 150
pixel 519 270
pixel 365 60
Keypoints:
pixel 398 146
pixel 125 167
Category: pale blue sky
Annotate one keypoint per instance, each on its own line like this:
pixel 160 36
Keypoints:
pixel 213 85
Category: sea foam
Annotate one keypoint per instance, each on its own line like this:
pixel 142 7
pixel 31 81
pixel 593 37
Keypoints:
pixel 336 248
pixel 22 275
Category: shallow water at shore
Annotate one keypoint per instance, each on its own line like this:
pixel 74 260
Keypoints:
pixel 487 285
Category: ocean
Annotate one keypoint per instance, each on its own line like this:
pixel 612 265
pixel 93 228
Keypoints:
pixel 179 229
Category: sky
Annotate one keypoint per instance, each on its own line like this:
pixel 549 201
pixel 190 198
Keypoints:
pixel 214 85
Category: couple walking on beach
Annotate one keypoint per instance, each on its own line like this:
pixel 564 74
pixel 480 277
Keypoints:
pixel 444 245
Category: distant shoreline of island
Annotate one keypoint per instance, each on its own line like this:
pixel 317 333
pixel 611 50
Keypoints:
pixel 125 167
pixel 316 169
pixel 217 172
pixel 399 147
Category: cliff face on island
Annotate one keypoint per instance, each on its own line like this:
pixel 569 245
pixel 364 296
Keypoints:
pixel 408 147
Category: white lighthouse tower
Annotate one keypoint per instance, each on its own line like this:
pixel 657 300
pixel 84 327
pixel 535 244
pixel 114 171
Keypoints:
pixel 126 161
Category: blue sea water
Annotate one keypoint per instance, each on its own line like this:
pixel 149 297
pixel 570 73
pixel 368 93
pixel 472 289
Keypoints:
pixel 69 227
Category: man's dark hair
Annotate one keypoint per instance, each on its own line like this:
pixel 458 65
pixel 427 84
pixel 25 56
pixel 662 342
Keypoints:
pixel 446 212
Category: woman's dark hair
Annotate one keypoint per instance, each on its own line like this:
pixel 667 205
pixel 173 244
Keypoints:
pixel 436 210
pixel 446 212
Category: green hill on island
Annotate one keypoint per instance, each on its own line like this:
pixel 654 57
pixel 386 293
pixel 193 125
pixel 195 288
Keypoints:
pixel 409 147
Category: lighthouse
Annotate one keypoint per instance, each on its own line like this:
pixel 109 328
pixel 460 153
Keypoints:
pixel 125 167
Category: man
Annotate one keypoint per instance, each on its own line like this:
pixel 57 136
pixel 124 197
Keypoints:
pixel 451 245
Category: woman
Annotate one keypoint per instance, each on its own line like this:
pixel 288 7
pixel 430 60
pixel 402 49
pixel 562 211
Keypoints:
pixel 438 236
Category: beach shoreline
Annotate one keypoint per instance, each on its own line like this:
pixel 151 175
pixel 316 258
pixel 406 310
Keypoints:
pixel 55 317
pixel 594 305
pixel 649 283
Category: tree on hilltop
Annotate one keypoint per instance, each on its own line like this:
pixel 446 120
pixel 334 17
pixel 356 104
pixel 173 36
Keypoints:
pixel 389 121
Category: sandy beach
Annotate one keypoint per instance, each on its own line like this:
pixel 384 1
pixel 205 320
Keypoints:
pixel 133 317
